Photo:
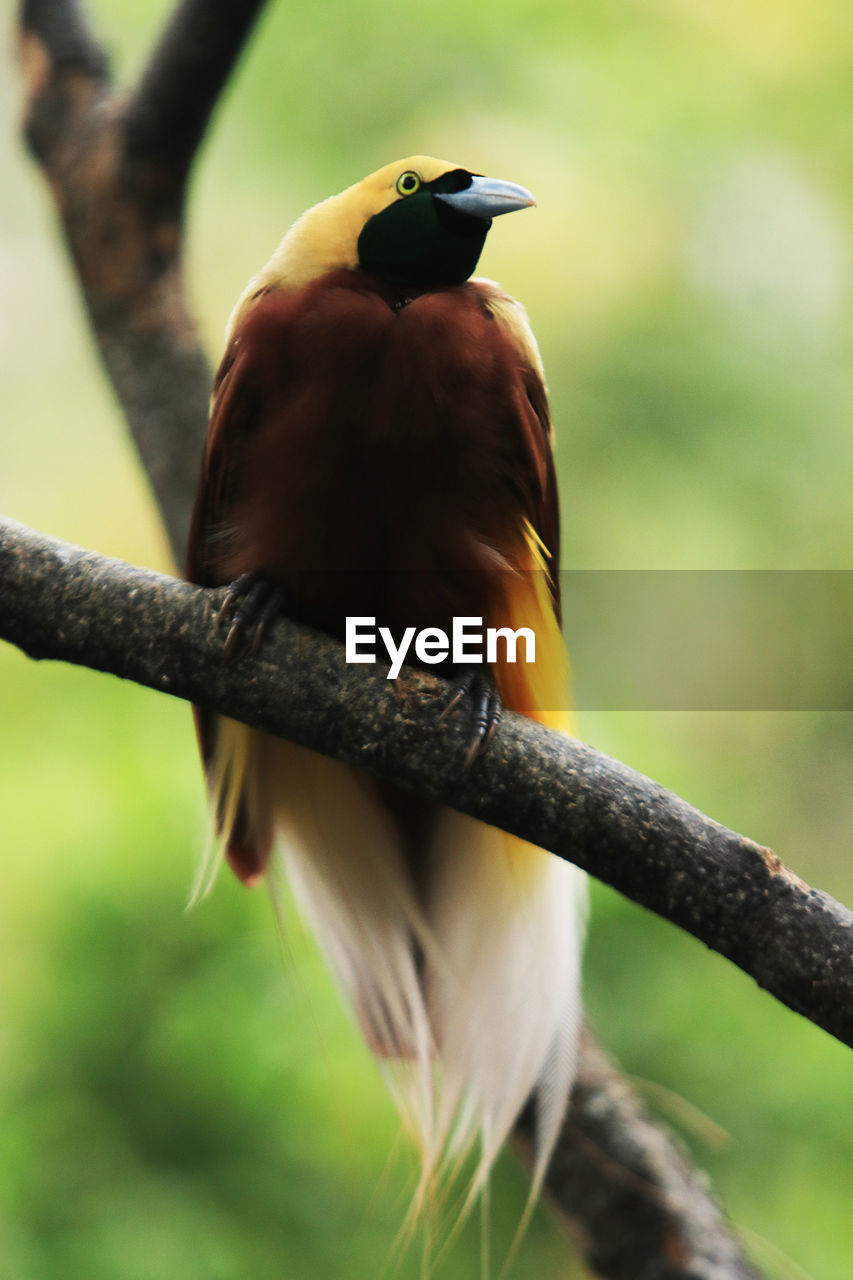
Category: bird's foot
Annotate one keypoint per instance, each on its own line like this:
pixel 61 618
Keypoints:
pixel 487 709
pixel 258 602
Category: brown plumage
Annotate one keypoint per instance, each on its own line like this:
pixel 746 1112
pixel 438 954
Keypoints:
pixel 380 445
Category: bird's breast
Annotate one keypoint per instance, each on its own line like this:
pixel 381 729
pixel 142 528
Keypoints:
pixel 378 456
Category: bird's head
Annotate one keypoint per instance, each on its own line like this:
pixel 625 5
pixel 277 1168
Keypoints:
pixel 419 222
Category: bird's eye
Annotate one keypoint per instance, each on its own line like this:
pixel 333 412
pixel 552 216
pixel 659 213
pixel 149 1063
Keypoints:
pixel 408 183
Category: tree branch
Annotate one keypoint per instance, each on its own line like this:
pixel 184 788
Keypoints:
pixel 122 222
pixel 736 896
pixel 613 1165
pixel 61 28
pixel 169 113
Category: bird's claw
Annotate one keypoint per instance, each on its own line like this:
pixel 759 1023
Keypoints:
pixel 488 710
pixel 260 602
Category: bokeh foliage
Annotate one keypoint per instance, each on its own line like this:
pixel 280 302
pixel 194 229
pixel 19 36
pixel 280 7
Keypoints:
pixel 176 1098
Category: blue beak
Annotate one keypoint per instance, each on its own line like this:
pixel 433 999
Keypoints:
pixel 487 198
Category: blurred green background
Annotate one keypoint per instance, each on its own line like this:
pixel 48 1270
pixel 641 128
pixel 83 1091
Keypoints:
pixel 178 1099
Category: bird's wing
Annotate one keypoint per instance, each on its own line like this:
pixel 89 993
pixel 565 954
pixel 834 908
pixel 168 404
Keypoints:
pixel 533 472
pixel 231 419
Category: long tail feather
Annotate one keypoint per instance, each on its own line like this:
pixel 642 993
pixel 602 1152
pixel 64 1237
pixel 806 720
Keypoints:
pixel 465 979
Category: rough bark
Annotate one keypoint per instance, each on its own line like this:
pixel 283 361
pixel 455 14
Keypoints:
pixel 733 894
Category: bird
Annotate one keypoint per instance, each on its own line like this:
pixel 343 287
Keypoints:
pixel 380 445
